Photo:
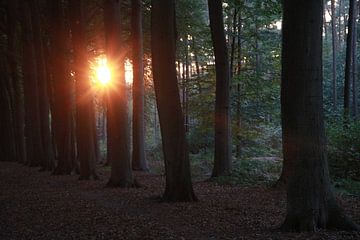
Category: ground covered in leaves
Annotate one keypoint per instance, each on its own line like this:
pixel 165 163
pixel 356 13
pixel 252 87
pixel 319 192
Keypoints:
pixel 37 205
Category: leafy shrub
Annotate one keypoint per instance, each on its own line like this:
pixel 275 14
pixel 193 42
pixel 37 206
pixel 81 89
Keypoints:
pixel 344 150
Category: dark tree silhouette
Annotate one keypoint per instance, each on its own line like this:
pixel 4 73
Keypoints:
pixel 222 158
pixel 62 115
pixel 84 100
pixel 176 156
pixel 117 113
pixel 310 201
pixel 138 154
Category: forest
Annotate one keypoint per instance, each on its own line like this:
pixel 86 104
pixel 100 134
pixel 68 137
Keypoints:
pixel 187 119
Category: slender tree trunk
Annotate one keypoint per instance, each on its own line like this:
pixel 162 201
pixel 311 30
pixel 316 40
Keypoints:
pixel 48 161
pixel 232 54
pixel 196 57
pixel 62 89
pixel 176 155
pixel 186 83
pixel 138 137
pixel 310 201
pixel 355 64
pixel 349 60
pixel 85 117
pixel 334 52
pixel 222 161
pixel 341 9
pixel 238 89
pixel 34 147
pixel 117 113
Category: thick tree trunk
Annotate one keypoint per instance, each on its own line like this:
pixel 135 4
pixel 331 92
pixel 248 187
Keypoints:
pixel 176 156
pixel 48 161
pixel 62 89
pixel 86 153
pixel 34 147
pixel 222 160
pixel 117 113
pixel 7 137
pixel 138 137
pixel 17 84
pixel 310 201
pixel 334 52
pixel 349 60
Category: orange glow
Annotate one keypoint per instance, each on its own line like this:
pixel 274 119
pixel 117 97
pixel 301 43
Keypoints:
pixel 102 72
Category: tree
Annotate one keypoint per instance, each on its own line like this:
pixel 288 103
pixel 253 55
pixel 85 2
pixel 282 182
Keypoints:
pixel 349 60
pixel 117 113
pixel 17 83
pixel 310 201
pixel 176 156
pixel 34 147
pixel 334 52
pixel 222 158
pixel 61 112
pixel 84 100
pixel 48 160
pixel 138 154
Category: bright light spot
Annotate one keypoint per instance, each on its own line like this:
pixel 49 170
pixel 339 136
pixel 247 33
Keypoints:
pixel 103 73
pixel 100 72
pixel 128 72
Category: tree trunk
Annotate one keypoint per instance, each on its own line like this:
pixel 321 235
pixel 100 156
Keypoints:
pixel 232 53
pixel 85 129
pixel 334 52
pixel 7 137
pixel 310 201
pixel 34 147
pixel 138 156
pixel 222 161
pixel 355 64
pixel 48 160
pixel 349 60
pixel 117 113
pixel 176 155
pixel 17 83
pixel 62 89
pixel 238 88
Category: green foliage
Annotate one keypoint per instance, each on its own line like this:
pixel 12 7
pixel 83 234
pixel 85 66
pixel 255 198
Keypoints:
pixel 253 172
pixel 347 186
pixel 344 150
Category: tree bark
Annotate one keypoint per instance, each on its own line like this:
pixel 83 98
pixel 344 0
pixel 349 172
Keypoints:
pixel 310 201
pixel 62 115
pixel 34 147
pixel 233 38
pixel 334 53
pixel 349 60
pixel 117 113
pixel 176 155
pixel 222 160
pixel 138 137
pixel 48 160
pixel 85 116
pixel 355 64
pixel 17 83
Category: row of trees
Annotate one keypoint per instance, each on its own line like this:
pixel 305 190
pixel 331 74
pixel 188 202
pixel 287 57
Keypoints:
pixel 48 109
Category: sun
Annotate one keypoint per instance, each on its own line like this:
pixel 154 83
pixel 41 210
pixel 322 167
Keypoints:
pixel 102 72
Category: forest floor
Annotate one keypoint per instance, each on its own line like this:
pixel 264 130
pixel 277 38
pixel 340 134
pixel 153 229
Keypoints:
pixel 37 205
